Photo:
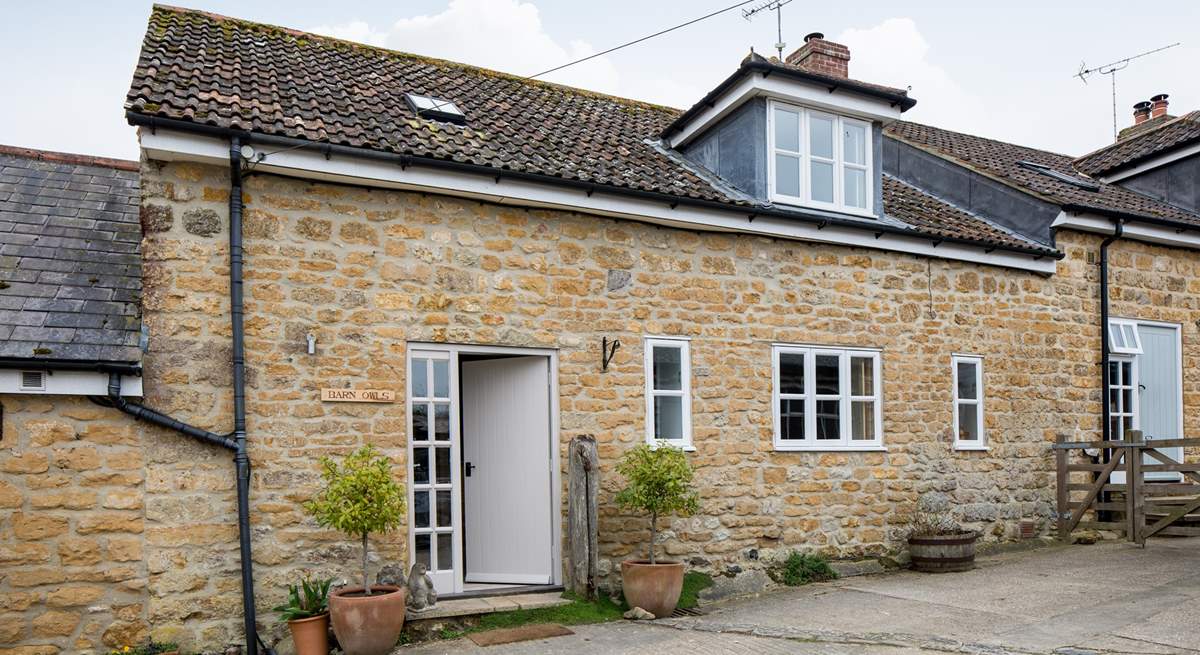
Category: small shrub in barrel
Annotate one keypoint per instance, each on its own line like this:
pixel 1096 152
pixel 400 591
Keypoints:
pixel 936 541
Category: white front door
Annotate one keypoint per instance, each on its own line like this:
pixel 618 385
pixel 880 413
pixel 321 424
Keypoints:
pixel 1159 399
pixel 507 493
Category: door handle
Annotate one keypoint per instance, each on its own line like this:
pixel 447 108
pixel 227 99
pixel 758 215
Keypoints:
pixel 469 467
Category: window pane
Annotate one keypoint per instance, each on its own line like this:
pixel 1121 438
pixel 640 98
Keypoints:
pixel 443 508
pixel 787 130
pixel 1114 400
pixel 421 509
pixel 441 378
pixel 441 421
pixel 1114 373
pixel 1126 372
pixel 420 386
pixel 820 132
pixel 445 552
pixel 442 465
pixel 420 422
pixel 968 422
pixel 787 175
pixel 668 417
pixel 828 421
pixel 1130 335
pixel 420 466
pixel 668 368
pixel 822 181
pixel 1126 401
pixel 423 550
pixel 854 143
pixel 856 188
pixel 791 373
pixel 791 419
pixel 862 376
pixel 828 374
pixel 967 389
pixel 862 420
pixel 1118 337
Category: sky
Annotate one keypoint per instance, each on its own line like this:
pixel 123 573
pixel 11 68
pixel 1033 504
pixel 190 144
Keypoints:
pixel 1002 69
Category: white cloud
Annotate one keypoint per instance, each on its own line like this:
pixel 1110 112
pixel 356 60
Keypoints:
pixel 896 54
pixel 504 35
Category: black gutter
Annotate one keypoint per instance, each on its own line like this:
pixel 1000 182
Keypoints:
pixel 41 364
pixel 1105 347
pixel 143 413
pixel 405 161
pixel 240 458
pixel 1132 217
pixel 767 68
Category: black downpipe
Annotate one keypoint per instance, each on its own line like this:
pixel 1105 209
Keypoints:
pixel 1105 354
pixel 240 458
pixel 142 413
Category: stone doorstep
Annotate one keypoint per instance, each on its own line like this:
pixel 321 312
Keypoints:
pixel 487 605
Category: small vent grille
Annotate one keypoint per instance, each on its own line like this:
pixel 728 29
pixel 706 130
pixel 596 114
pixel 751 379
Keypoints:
pixel 33 380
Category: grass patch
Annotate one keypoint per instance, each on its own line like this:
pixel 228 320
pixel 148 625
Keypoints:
pixel 800 569
pixel 577 612
pixel 693 583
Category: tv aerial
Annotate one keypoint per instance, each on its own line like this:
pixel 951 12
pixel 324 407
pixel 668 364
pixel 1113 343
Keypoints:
pixel 1110 69
pixel 777 7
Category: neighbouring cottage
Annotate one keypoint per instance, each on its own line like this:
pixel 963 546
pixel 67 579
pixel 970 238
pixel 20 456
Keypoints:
pixel 830 308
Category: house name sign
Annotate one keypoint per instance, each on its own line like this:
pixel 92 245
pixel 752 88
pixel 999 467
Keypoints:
pixel 358 395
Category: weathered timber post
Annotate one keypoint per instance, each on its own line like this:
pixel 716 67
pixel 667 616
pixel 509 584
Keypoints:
pixel 1133 487
pixel 582 490
pixel 1063 493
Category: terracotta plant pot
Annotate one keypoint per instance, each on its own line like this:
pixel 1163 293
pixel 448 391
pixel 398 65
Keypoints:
pixel 311 635
pixel 652 587
pixel 943 553
pixel 367 625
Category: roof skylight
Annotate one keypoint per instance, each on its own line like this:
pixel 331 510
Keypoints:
pixel 1087 185
pixel 435 108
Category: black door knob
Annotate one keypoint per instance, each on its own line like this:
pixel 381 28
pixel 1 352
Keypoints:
pixel 469 467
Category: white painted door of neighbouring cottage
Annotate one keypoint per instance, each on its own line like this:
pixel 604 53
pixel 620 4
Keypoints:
pixel 507 495
pixel 1160 415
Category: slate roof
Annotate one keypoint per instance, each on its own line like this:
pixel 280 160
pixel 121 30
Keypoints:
pixel 70 257
pixel 1146 143
pixel 1002 161
pixel 229 73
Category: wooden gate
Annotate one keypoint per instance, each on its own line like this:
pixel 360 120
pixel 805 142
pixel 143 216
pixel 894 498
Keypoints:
pixel 1145 508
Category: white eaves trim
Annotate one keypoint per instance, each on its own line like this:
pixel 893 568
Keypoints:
pixel 1151 164
pixel 173 145
pixel 67 383
pixel 1132 230
pixel 845 102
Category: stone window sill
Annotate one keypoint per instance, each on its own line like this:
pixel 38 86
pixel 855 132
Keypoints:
pixel 831 449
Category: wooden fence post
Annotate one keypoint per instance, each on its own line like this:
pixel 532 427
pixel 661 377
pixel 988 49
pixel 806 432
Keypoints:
pixel 1063 494
pixel 1134 499
pixel 582 489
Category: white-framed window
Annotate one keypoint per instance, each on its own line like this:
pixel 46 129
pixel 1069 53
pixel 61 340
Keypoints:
pixel 819 159
pixel 668 392
pixel 826 398
pixel 967 374
pixel 1122 397
pixel 1123 337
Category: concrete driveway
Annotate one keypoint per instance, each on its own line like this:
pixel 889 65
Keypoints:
pixel 1104 598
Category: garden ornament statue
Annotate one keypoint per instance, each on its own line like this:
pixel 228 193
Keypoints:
pixel 421 594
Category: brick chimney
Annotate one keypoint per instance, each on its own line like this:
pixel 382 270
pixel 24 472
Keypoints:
pixel 1158 105
pixel 1141 112
pixel 820 56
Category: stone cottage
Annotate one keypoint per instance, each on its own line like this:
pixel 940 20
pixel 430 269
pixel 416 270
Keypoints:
pixel 830 308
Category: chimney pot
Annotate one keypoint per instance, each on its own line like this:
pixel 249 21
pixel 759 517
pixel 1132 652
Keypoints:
pixel 822 57
pixel 1158 105
pixel 1141 112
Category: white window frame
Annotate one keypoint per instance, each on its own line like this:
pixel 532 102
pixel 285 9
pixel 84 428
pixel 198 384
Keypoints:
pixel 1119 340
pixel 839 162
pixel 973 444
pixel 810 397
pixel 1120 384
pixel 684 392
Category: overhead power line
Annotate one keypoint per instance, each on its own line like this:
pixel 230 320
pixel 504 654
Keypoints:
pixel 644 38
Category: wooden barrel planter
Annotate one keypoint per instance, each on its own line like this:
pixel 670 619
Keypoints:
pixel 943 553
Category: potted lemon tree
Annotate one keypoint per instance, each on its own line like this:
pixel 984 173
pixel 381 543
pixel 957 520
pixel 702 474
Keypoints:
pixel 658 483
pixel 360 496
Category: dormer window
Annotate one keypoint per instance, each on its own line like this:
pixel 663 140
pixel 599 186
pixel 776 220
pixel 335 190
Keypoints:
pixel 819 159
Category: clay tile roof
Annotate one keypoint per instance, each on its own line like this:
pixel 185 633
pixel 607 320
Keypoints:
pixel 229 73
pixel 1161 137
pixel 1007 163
pixel 70 258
